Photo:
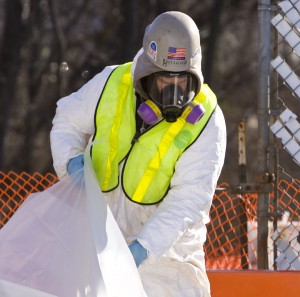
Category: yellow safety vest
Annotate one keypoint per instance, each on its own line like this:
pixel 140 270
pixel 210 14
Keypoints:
pixel 149 161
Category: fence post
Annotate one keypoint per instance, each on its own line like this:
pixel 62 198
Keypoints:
pixel 243 179
pixel 264 41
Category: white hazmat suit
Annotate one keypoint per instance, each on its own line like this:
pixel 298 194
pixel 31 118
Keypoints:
pixel 174 230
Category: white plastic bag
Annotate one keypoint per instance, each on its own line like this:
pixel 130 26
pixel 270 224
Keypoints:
pixel 65 242
pixel 8 289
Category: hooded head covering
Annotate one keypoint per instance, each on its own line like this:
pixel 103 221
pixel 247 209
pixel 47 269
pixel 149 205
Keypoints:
pixel 171 43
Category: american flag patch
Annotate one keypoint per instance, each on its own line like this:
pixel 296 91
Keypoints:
pixel 176 53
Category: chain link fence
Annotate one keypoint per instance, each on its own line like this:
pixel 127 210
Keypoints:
pixel 284 237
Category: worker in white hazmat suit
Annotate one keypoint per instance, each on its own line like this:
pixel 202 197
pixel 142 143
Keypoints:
pixel 158 144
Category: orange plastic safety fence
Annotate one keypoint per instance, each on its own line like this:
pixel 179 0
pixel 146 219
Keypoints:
pixel 230 244
pixel 14 188
pixel 231 234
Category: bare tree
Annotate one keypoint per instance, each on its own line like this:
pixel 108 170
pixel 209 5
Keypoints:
pixel 9 60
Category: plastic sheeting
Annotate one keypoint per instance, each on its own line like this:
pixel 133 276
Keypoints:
pixel 65 242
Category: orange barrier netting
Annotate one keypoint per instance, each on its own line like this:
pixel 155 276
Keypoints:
pixel 232 232
pixel 14 189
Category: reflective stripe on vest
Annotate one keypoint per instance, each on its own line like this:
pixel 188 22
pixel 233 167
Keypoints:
pixel 114 127
pixel 150 164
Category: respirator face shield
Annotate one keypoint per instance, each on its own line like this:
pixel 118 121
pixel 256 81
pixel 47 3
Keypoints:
pixel 169 95
pixel 171 90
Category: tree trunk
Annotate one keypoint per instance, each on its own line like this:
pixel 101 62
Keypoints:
pixel 9 59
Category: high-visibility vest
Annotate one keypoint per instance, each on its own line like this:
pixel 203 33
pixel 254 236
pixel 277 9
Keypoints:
pixel 150 160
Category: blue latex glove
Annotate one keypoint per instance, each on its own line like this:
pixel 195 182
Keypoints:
pixel 75 164
pixel 138 252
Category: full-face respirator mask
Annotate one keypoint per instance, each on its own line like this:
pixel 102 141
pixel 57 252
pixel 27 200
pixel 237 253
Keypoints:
pixel 170 96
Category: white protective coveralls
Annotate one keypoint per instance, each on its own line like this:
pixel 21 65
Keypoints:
pixel 174 230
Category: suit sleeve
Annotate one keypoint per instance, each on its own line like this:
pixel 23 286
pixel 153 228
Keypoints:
pixel 73 123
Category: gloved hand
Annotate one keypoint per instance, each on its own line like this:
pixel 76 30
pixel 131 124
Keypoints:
pixel 75 164
pixel 138 252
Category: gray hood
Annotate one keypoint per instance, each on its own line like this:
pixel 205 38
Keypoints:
pixel 142 66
